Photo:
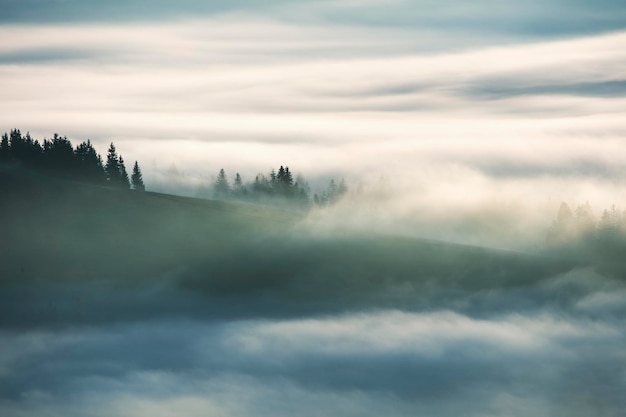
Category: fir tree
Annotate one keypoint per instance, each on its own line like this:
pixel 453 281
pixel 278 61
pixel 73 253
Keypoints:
pixel 124 181
pixel 222 188
pixel 90 163
pixel 112 167
pixel 239 190
pixel 137 179
pixel 5 150
pixel 59 156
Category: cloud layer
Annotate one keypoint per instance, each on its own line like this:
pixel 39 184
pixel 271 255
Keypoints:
pixel 460 122
pixel 433 108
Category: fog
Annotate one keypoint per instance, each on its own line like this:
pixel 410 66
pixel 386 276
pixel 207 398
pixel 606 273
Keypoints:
pixel 448 280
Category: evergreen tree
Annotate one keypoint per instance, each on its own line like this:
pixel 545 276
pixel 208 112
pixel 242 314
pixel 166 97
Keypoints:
pixel 124 181
pixel 287 178
pixel 261 186
pixel 273 179
pixel 331 192
pixel 137 179
pixel 284 182
pixel 5 149
pixel 222 188
pixel 59 156
pixel 112 167
pixel 33 152
pixel 90 163
pixel 281 174
pixel 239 190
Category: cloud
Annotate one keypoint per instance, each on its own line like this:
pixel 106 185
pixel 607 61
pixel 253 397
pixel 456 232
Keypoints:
pixel 399 362
pixel 506 19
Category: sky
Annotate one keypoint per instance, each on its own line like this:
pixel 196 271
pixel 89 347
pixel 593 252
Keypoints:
pixel 459 121
pixel 454 104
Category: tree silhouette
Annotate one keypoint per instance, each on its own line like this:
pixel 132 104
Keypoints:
pixel 58 155
pixel 5 150
pixel 222 188
pixel 124 181
pixel 90 163
pixel 112 167
pixel 137 179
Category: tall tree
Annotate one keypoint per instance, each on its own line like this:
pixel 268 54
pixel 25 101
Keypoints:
pixel 137 179
pixel 124 181
pixel 112 167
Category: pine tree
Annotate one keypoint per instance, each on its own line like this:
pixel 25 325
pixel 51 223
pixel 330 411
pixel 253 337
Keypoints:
pixel 137 179
pixel 90 163
pixel 5 150
pixel 238 188
pixel 222 188
pixel 124 181
pixel 112 167
pixel 59 156
pixel 288 178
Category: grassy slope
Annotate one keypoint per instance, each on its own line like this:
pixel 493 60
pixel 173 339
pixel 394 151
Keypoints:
pixel 61 232
pixel 64 230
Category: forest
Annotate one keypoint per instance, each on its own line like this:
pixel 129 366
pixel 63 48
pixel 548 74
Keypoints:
pixel 58 157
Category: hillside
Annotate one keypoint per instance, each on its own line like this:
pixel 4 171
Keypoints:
pixel 73 241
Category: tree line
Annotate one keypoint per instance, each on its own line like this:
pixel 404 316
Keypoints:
pixel 58 157
pixel 581 225
pixel 278 185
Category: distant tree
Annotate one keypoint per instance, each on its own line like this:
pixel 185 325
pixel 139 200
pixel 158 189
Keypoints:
pixel 261 186
pixel 124 181
pixel 611 220
pixel 112 167
pixel 287 177
pixel 222 187
pixel 273 178
pixel 239 190
pixel 584 219
pixel 281 174
pixel 137 179
pixel 564 216
pixel 343 188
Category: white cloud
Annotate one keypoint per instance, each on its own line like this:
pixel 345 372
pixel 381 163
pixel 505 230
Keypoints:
pixel 249 94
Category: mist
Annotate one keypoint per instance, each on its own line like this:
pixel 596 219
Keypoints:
pixel 472 264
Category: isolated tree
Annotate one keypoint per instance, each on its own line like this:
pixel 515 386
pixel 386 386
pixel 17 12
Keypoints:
pixel 137 179
pixel 124 181
pixel 222 187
